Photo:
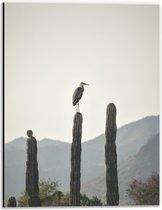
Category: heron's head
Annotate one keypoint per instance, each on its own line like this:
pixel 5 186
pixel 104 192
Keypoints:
pixel 83 83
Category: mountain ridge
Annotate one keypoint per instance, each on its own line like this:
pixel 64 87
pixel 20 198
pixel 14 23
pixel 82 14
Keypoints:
pixel 135 167
pixel 92 139
pixel 93 162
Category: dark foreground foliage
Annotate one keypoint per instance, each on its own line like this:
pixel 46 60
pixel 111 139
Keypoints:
pixel 51 196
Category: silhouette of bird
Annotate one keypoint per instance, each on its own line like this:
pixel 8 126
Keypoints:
pixel 78 94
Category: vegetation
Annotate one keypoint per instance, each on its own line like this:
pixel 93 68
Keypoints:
pixel 145 192
pixel 85 201
pixel 112 193
pixel 51 196
pixel 47 193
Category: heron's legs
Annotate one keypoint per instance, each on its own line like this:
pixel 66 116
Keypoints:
pixel 77 107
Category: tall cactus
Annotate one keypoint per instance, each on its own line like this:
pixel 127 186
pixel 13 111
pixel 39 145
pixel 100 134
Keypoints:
pixel 112 194
pixel 32 174
pixel 76 161
pixel 11 202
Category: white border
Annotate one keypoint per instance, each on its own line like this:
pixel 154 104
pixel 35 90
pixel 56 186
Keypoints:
pixel 140 2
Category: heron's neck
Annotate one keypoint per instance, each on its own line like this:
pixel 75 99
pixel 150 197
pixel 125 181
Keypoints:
pixel 81 86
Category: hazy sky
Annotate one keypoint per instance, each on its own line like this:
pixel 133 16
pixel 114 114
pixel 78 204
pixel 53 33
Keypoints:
pixel 51 48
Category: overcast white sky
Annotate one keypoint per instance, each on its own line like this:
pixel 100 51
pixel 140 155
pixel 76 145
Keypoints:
pixel 51 48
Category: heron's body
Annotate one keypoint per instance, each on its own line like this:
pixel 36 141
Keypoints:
pixel 78 94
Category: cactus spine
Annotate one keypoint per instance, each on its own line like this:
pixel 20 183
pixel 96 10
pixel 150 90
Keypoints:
pixel 76 161
pixel 32 175
pixel 112 194
pixel 11 202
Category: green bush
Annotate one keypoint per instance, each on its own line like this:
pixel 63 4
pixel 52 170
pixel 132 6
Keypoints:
pixel 51 196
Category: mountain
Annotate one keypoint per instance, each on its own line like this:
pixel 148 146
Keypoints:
pixel 130 138
pixel 53 163
pixel 138 166
pixel 54 157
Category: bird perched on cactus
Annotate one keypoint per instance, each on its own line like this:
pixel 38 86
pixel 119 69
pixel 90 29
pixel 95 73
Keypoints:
pixel 78 94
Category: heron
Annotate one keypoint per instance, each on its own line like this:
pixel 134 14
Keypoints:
pixel 78 94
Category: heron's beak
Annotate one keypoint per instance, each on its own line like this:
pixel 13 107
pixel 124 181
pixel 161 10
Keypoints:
pixel 85 84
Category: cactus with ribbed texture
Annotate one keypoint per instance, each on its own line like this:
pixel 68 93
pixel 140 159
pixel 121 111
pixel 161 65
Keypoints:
pixel 32 174
pixel 11 202
pixel 76 161
pixel 112 193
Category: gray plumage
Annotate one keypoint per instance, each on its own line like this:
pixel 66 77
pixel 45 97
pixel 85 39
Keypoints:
pixel 78 94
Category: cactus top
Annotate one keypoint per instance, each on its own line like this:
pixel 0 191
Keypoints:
pixel 29 133
pixel 111 115
pixel 11 202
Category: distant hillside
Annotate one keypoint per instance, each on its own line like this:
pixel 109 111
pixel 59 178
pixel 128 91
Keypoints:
pixel 130 138
pixel 54 156
pixel 138 166
pixel 53 162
